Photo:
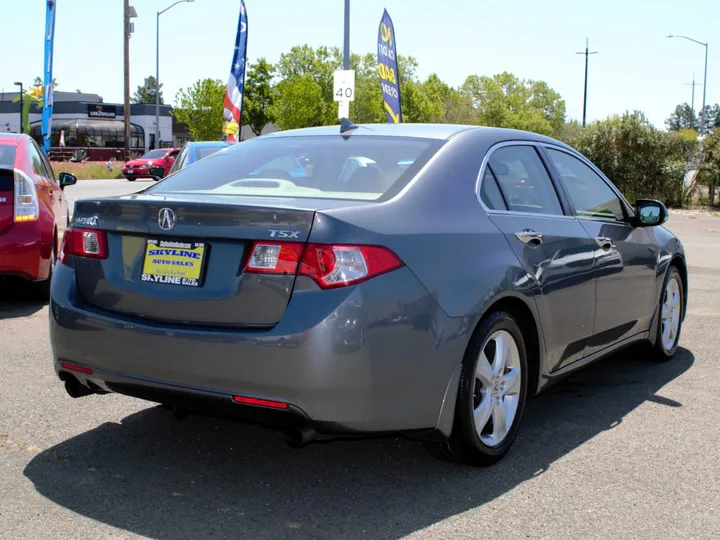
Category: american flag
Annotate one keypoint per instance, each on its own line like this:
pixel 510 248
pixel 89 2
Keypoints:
pixel 232 113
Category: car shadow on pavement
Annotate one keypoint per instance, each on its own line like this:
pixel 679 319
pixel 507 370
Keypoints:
pixel 18 298
pixel 205 478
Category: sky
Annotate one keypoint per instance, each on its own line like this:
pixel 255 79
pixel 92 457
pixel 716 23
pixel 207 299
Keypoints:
pixel 636 67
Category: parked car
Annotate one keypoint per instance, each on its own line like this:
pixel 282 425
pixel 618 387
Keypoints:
pixel 457 271
pixel 33 210
pixel 140 167
pixel 195 151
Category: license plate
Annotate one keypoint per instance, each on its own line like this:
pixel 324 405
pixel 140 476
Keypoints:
pixel 174 262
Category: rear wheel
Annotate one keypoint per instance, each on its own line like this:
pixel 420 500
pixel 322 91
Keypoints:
pixel 42 288
pixel 670 311
pixel 491 395
pixel 130 179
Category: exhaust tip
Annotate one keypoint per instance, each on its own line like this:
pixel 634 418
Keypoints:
pixel 75 389
pixel 299 437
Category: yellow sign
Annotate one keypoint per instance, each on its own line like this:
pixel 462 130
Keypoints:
pixel 176 263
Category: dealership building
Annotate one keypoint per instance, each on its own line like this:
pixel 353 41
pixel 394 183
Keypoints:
pixel 94 129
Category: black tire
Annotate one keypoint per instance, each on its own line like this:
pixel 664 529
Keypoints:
pixel 661 351
pixel 130 179
pixel 465 444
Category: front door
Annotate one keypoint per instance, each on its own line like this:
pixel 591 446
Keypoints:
pixel 626 257
pixel 554 249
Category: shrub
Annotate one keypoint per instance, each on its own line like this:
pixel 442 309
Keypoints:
pixel 88 170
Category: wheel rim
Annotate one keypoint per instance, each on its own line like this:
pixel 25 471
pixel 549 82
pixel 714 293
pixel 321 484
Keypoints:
pixel 498 380
pixel 670 314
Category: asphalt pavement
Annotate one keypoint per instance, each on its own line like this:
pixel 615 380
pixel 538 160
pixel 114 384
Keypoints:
pixel 628 448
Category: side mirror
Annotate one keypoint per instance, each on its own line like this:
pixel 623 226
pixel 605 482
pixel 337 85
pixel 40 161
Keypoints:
pixel 157 172
pixel 66 179
pixel 650 212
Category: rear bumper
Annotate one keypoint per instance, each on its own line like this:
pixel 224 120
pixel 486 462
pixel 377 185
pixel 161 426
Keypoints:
pixel 345 360
pixel 136 173
pixel 23 253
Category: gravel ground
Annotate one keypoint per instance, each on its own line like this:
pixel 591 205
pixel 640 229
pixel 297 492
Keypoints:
pixel 626 449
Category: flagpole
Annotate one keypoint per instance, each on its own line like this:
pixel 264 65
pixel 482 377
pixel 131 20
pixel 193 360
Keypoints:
pixel 242 97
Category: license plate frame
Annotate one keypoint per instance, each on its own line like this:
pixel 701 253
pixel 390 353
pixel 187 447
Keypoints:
pixel 181 266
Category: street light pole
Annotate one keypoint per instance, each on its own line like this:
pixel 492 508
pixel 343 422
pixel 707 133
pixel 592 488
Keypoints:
pixel 157 71
pixel 346 45
pixel 21 104
pixel 702 117
pixel 587 53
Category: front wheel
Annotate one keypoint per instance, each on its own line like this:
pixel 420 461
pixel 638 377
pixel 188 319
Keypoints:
pixel 130 179
pixel 491 395
pixel 670 311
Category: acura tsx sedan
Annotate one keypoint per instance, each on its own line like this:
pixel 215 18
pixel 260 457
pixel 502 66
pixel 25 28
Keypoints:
pixel 416 279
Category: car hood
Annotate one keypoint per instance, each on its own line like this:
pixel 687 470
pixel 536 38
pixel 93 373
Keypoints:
pixel 141 162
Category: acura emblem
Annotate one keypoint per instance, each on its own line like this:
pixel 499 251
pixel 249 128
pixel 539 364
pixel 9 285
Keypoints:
pixel 166 219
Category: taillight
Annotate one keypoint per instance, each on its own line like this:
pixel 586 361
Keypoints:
pixel 274 258
pixel 339 265
pixel 83 243
pixel 26 199
pixel 329 265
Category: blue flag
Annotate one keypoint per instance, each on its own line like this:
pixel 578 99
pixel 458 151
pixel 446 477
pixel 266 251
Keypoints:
pixel 47 82
pixel 388 68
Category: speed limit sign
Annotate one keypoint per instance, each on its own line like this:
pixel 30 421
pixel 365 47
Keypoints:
pixel 344 85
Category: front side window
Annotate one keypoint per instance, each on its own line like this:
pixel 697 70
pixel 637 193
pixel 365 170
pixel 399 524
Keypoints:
pixel 524 181
pixel 589 194
pixel 357 167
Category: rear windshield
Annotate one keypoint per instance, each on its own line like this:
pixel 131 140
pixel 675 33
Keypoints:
pixel 7 155
pixel 355 167
pixel 155 154
pixel 205 151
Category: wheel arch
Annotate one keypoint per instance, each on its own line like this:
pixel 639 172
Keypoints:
pixel 679 262
pixel 520 308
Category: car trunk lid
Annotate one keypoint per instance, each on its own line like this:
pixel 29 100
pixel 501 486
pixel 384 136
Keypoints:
pixel 149 235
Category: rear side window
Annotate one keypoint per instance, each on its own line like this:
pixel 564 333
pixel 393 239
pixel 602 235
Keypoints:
pixel 356 167
pixel 589 194
pixel 37 161
pixel 524 181
pixel 490 192
pixel 7 155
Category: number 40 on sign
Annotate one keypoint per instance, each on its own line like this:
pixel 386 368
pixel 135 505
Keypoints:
pixel 344 85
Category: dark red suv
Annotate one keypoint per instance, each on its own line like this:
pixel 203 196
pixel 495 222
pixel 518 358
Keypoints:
pixel 33 210
pixel 140 168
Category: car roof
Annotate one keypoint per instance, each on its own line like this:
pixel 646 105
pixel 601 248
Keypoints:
pixel 9 138
pixel 423 131
pixel 207 144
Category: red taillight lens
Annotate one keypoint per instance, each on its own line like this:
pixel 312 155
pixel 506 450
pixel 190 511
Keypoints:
pixel 260 402
pixel 274 258
pixel 339 265
pixel 329 265
pixel 83 243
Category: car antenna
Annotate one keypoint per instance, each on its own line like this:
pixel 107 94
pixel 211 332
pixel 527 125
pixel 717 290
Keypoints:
pixel 347 125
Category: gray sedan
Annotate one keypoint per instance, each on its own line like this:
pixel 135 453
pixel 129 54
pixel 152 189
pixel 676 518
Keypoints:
pixel 414 279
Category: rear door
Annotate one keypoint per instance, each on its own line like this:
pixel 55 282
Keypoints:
pixel 554 249
pixel 626 257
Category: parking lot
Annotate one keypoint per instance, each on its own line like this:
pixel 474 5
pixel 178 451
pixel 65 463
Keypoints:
pixel 628 448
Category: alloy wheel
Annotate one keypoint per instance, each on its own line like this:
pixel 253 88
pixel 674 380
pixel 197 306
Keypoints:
pixel 670 314
pixel 496 396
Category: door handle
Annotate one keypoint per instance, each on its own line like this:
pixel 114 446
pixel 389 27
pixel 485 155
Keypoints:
pixel 529 237
pixel 604 242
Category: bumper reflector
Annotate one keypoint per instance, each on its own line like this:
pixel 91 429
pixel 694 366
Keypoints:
pixel 260 402
pixel 75 367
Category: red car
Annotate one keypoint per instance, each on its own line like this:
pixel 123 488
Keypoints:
pixel 33 210
pixel 140 168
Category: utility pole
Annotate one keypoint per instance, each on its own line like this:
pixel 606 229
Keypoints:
pixel 126 108
pixel 692 102
pixel 587 53
pixel 346 47
pixel 702 114
pixel 21 104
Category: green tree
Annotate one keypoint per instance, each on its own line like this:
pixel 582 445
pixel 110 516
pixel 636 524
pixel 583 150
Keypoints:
pixel 503 100
pixel 145 93
pixel 259 96
pixel 200 107
pixel 299 102
pixel 683 117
